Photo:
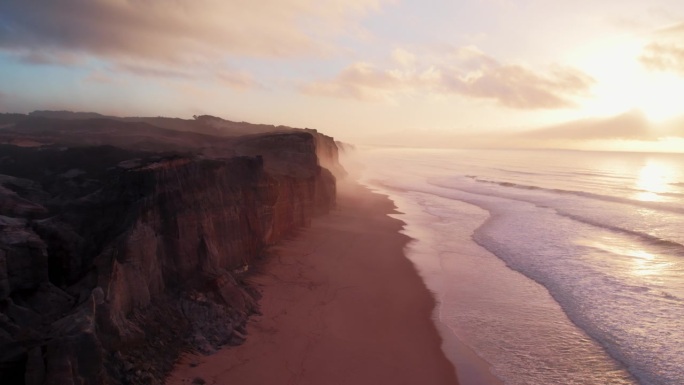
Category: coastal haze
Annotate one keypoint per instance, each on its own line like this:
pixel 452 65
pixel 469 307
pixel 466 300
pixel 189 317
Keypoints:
pixel 366 191
pixel 443 73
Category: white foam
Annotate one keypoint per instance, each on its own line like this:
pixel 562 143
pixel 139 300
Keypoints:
pixel 622 290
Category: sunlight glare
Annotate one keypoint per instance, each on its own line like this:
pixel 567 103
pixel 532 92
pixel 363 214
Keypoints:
pixel 666 144
pixel 623 83
pixel 654 179
pixel 641 263
pixel 661 96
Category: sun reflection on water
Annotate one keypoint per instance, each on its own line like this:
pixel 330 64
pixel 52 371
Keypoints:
pixel 646 264
pixel 654 179
pixel 639 262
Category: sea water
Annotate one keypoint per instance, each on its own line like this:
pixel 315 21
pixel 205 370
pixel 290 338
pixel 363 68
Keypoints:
pixel 556 267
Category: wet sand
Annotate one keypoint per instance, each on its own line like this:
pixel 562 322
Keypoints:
pixel 341 305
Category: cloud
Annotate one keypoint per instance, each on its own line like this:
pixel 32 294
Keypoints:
pixel 673 127
pixel 664 57
pixel 666 51
pixel 173 41
pixel 180 31
pixel 365 81
pixel 466 71
pixel 631 125
pixel 403 57
pixel 518 87
pixel 150 71
pixel 42 58
pixel 99 77
pixel 236 79
pixel 233 79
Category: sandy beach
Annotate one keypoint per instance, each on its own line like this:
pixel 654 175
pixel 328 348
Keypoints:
pixel 341 305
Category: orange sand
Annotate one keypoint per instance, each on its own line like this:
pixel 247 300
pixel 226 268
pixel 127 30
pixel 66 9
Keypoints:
pixel 341 305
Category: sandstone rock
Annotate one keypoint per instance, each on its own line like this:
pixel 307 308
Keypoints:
pixel 135 254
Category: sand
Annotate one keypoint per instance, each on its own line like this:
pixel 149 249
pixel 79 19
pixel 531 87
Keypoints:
pixel 341 305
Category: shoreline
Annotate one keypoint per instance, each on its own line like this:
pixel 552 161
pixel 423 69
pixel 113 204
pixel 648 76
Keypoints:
pixel 340 303
pixel 471 368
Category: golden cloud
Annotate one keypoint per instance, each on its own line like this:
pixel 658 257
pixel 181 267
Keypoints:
pixel 664 57
pixel 467 72
pixel 631 125
pixel 666 51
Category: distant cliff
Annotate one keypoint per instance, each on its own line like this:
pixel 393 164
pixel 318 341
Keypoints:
pixel 115 259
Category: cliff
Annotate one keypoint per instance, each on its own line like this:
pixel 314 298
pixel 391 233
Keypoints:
pixel 115 259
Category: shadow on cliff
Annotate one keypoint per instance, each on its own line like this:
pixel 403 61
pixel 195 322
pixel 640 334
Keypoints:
pixel 124 243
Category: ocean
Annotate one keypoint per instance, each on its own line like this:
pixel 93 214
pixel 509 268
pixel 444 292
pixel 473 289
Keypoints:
pixel 555 267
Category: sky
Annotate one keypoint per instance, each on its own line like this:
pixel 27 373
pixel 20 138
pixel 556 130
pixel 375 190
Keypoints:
pixel 579 73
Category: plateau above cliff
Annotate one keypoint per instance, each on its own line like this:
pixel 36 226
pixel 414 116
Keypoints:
pixel 123 243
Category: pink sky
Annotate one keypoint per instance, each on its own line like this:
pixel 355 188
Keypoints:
pixel 360 70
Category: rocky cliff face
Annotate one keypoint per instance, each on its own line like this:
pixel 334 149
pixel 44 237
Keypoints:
pixel 113 260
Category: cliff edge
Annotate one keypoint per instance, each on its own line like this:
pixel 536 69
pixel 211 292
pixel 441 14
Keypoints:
pixel 123 243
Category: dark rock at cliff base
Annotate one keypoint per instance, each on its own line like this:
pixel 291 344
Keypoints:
pixel 123 243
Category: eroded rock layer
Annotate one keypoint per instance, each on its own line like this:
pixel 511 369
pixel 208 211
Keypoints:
pixel 115 259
